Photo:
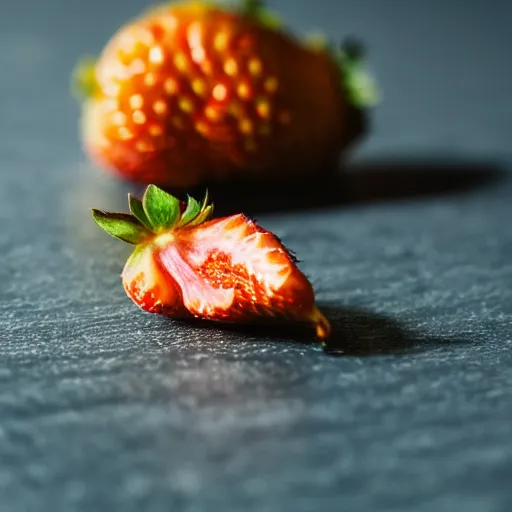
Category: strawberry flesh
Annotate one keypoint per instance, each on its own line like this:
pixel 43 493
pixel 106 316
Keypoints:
pixel 224 270
pixel 150 286
pixel 231 269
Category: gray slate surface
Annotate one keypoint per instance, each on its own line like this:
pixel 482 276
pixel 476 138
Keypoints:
pixel 104 408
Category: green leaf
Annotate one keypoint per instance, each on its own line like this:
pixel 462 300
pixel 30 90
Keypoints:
pixel 317 41
pixel 353 51
pixel 362 88
pixel 258 10
pixel 83 79
pixel 162 209
pixel 205 200
pixel 359 83
pixel 121 225
pixel 269 19
pixel 191 211
pixel 137 210
pixel 203 216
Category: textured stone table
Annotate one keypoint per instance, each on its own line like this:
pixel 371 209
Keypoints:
pixel 104 408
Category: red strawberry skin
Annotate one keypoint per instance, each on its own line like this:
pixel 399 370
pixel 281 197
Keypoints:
pixel 150 286
pixel 192 94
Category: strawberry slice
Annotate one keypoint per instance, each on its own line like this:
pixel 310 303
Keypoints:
pixel 186 264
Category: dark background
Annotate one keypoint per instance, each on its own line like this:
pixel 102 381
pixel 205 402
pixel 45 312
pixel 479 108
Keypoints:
pixel 105 408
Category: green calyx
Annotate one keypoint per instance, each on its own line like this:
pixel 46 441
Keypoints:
pixel 257 10
pixel 356 80
pixel 349 58
pixel 83 79
pixel 253 9
pixel 158 212
pixel 121 225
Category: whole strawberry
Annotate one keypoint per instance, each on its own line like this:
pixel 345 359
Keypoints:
pixel 225 270
pixel 194 92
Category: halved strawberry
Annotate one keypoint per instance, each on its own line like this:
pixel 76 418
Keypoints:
pixel 226 270
pixel 195 92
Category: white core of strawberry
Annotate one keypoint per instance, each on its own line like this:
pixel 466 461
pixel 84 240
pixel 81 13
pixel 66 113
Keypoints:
pixel 197 294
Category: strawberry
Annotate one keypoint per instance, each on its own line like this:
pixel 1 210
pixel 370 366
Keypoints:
pixel 194 92
pixel 186 264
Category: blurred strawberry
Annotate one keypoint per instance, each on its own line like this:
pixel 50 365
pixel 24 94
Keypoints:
pixel 225 270
pixel 196 92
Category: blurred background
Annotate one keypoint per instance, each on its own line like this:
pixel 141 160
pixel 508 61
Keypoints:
pixel 103 408
pixel 441 64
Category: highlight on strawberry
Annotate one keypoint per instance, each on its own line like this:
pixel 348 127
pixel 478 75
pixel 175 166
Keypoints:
pixel 186 264
pixel 198 91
